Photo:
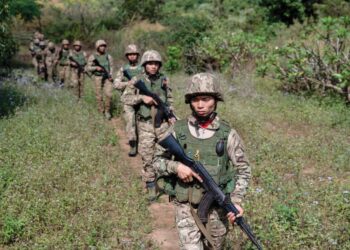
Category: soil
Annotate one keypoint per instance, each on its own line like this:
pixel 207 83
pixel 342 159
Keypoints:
pixel 164 233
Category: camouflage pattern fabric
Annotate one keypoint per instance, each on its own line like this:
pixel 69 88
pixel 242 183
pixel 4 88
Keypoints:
pixel 77 81
pixel 205 84
pixel 103 87
pixel 131 49
pixel 40 58
pixel 147 144
pixel 50 63
pixel 189 234
pixel 151 56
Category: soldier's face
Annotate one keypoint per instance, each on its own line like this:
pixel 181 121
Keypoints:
pixel 132 57
pixel 77 48
pixel 203 105
pixel 152 67
pixel 66 46
pixel 102 49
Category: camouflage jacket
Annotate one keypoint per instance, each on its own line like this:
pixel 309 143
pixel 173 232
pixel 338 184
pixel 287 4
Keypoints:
pixel 91 67
pixel 51 56
pixel 164 165
pixel 135 98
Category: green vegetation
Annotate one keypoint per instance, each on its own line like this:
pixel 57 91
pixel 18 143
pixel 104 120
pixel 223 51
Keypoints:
pixel 299 150
pixel 62 181
pixel 284 67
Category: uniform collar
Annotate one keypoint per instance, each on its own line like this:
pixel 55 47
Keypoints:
pixel 213 126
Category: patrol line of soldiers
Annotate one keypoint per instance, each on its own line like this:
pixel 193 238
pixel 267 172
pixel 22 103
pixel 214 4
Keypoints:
pixel 198 134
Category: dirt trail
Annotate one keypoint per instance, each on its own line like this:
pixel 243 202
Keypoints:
pixel 163 223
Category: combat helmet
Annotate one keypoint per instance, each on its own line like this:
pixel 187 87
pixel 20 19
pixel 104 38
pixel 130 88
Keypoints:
pixel 77 43
pixel 203 84
pixel 36 41
pixel 151 56
pixel 132 49
pixel 51 45
pixel 65 42
pixel 100 43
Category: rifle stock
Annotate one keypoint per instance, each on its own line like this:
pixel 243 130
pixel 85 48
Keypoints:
pixel 213 191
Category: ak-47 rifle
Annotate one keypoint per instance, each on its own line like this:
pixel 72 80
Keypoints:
pixel 81 68
pixel 213 192
pixel 105 73
pixel 163 112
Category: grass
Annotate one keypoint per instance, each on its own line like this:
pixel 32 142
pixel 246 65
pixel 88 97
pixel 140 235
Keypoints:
pixel 299 149
pixel 62 181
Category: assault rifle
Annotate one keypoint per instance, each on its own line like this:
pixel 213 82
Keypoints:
pixel 81 68
pixel 213 192
pixel 105 72
pixel 163 111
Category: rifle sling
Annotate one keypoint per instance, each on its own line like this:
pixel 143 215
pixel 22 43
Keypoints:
pixel 199 223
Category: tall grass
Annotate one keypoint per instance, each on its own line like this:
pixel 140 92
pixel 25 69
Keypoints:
pixel 299 149
pixel 63 184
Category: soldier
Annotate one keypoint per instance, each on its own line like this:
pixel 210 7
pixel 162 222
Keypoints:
pixel 123 84
pixel 77 63
pixel 156 82
pixel 34 48
pixel 199 136
pixel 63 62
pixel 51 55
pixel 103 79
pixel 40 58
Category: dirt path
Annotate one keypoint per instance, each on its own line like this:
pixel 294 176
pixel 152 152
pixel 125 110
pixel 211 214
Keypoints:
pixel 163 223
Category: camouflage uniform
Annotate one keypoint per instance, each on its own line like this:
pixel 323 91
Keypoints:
pixel 34 48
pixel 77 78
pixel 51 55
pixel 189 233
pixel 103 87
pixel 40 58
pixel 63 62
pixel 122 83
pixel 146 131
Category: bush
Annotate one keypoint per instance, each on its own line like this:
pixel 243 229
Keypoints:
pixel 320 65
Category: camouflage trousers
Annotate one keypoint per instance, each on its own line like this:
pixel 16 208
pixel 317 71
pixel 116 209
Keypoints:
pixel 50 71
pixel 130 120
pixel 147 143
pixel 77 82
pixel 41 70
pixel 191 237
pixel 64 73
pixel 103 92
pixel 34 62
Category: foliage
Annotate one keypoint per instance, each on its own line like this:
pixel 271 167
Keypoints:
pixel 295 181
pixel 28 10
pixel 173 59
pixel 8 46
pixel 62 185
pixel 319 65
pixel 333 8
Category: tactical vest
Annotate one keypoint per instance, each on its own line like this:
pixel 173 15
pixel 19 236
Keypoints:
pixel 203 150
pixel 133 71
pixel 103 60
pixel 155 86
pixel 79 57
pixel 64 57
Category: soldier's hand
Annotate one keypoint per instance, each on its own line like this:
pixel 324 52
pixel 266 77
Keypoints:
pixel 231 216
pixel 98 68
pixel 186 174
pixel 149 100
pixel 172 121
pixel 73 64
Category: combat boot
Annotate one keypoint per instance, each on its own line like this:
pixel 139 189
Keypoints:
pixel 133 148
pixel 151 191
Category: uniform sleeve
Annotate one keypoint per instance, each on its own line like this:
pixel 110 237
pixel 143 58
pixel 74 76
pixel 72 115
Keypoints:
pixel 170 97
pixel 163 163
pixel 118 81
pixel 85 57
pixel 236 153
pixel 90 64
pixel 110 59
